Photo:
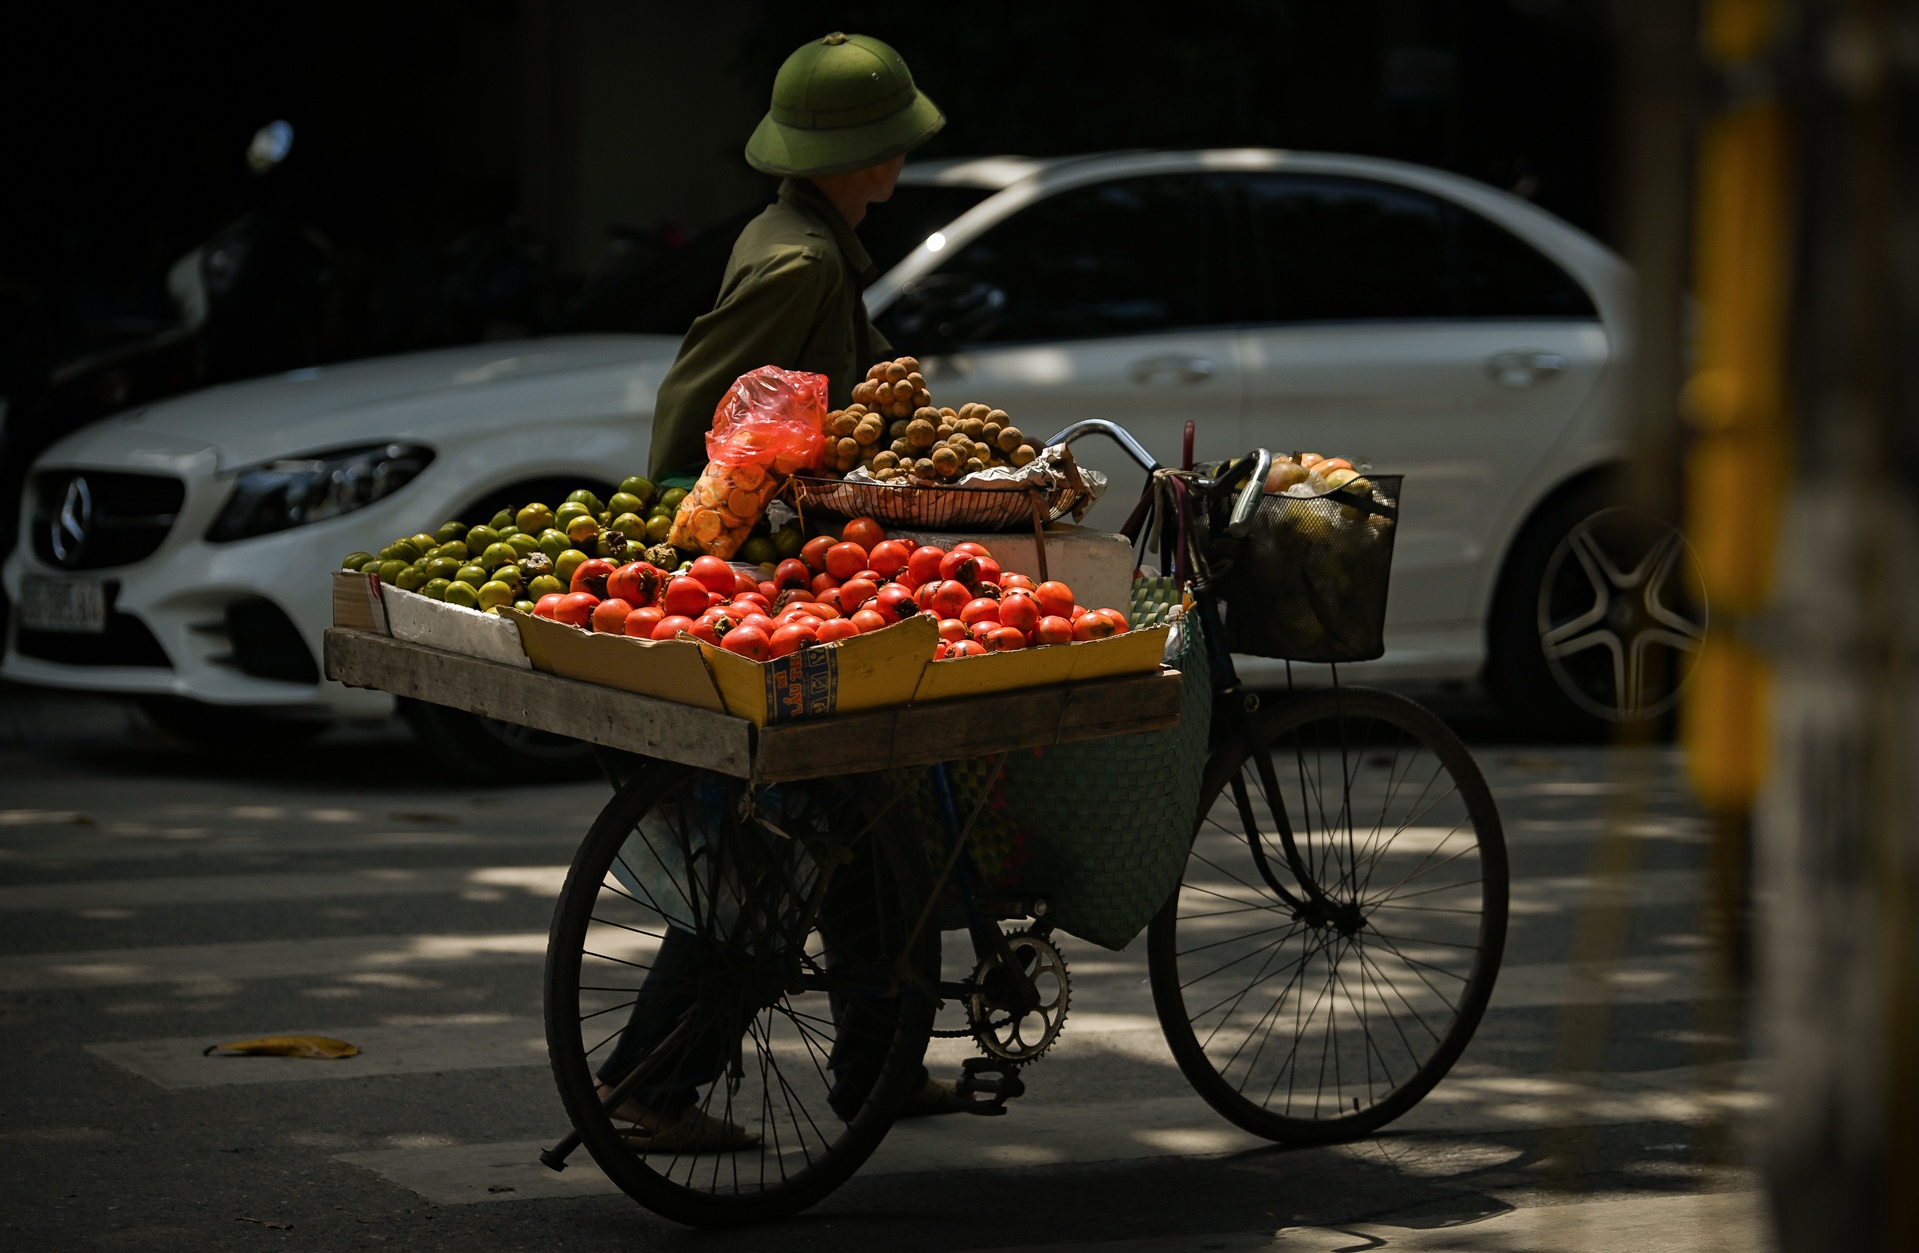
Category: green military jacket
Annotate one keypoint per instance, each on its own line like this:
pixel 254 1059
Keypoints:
pixel 791 298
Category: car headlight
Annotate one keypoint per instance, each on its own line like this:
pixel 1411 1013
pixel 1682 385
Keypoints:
pixel 281 495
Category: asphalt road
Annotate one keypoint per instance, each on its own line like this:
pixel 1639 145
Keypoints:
pixel 156 899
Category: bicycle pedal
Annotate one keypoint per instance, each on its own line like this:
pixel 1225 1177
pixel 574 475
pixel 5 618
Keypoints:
pixel 986 1084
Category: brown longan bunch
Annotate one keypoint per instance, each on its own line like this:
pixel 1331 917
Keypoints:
pixel 893 389
pixel 893 430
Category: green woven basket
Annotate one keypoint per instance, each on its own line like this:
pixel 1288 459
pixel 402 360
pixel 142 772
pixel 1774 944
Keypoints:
pixel 1099 829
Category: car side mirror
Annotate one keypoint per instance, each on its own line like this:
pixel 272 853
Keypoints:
pixel 270 146
pixel 945 311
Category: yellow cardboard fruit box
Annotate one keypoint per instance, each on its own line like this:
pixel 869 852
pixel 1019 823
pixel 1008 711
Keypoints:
pixel 866 672
pixel 1135 652
pixel 669 669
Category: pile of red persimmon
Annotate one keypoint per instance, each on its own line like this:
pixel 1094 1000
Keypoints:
pixel 834 590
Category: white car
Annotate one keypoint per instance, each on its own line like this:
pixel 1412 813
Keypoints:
pixel 1392 314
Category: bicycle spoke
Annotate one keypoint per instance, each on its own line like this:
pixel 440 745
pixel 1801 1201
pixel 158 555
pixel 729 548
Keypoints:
pixel 1259 978
pixel 1188 952
pixel 1302 1016
pixel 1410 939
pixel 1444 887
pixel 1421 868
pixel 1395 989
pixel 1271 944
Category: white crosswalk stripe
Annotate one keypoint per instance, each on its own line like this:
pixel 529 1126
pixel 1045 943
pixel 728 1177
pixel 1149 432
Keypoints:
pixel 261 959
pixel 477 882
pixel 1711 1220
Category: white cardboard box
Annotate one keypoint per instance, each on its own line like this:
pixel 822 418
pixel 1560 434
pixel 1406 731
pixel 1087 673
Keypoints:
pixel 423 620
pixel 356 602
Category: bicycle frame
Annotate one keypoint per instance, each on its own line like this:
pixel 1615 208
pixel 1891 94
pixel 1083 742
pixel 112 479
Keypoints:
pixel 1252 470
pixel 1309 900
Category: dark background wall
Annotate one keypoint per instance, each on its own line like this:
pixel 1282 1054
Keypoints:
pixel 568 132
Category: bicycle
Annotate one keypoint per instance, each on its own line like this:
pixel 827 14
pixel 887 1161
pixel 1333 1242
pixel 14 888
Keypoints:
pixel 1325 959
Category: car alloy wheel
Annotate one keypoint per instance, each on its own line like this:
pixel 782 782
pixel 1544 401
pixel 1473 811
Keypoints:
pixel 1621 615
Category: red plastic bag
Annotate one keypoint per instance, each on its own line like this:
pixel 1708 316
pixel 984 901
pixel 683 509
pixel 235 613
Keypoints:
pixel 771 416
pixel 766 428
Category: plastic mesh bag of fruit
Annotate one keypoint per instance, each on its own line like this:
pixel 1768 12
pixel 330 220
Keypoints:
pixel 765 429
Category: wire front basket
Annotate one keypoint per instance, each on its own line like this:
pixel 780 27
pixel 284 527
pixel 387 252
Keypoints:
pixel 1309 581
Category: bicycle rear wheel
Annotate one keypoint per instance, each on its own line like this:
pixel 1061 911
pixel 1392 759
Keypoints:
pixel 744 951
pixel 1310 1023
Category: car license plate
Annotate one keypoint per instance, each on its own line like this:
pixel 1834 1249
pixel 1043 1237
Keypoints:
pixel 72 605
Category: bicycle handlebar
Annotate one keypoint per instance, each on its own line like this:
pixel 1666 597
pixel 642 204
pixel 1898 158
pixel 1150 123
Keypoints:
pixel 1258 463
pixel 1113 431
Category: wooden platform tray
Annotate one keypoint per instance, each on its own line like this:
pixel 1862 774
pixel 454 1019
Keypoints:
pixel 913 735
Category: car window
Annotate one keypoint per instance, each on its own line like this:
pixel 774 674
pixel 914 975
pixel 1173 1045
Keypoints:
pixel 900 224
pixel 662 295
pixel 1117 258
pixel 1345 249
pixel 1503 276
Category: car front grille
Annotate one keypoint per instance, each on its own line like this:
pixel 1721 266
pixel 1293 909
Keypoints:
pixel 266 644
pixel 125 642
pixel 96 519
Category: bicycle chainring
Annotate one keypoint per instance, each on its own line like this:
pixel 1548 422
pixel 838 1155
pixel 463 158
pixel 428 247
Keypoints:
pixel 999 1029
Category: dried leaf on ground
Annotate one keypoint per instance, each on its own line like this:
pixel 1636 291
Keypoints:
pixel 324 1048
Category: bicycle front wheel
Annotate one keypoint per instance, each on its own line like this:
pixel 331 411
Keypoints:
pixel 1315 1020
pixel 743 958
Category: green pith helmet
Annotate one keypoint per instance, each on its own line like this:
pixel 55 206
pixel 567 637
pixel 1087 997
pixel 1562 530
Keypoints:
pixel 841 103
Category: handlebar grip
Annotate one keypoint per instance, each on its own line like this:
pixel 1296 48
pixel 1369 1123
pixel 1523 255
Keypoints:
pixel 1240 521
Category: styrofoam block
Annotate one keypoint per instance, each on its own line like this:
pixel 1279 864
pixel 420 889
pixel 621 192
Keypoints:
pixel 454 628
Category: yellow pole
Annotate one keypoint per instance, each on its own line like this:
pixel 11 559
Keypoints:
pixel 1736 473
pixel 1735 479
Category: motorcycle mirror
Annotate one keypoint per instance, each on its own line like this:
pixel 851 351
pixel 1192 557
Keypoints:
pixel 270 146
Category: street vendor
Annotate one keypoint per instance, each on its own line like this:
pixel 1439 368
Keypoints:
pixel 845 113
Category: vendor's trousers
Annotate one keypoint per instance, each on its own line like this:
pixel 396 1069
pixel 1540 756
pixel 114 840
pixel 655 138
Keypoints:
pixel 690 967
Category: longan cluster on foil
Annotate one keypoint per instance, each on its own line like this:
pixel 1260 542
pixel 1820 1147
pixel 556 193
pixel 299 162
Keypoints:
pixel 893 429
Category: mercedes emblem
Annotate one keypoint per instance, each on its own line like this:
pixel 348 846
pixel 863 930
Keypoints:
pixel 69 527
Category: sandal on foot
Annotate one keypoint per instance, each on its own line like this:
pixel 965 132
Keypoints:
pixel 692 1131
pixel 936 1096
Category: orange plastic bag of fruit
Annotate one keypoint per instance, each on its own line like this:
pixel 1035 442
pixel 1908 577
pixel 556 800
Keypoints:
pixel 765 429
